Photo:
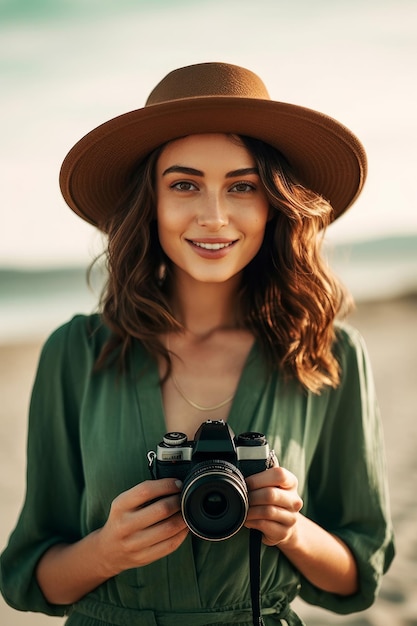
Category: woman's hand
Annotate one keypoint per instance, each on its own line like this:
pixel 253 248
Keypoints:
pixel 321 557
pixel 274 505
pixel 144 525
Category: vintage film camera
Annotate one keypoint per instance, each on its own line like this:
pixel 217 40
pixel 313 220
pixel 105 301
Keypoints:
pixel 213 467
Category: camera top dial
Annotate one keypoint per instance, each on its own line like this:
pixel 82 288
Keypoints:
pixel 251 439
pixel 175 439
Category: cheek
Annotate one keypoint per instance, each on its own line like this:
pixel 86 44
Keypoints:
pixel 164 233
pixel 256 232
pixel 171 213
pixel 169 230
pixel 256 226
pixel 166 218
pixel 166 244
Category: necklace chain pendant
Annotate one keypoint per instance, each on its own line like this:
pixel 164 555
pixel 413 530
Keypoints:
pixel 199 407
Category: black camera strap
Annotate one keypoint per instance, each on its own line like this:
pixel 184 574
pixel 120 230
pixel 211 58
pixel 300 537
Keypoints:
pixel 255 543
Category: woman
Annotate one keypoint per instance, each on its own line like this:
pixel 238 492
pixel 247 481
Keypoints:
pixel 218 306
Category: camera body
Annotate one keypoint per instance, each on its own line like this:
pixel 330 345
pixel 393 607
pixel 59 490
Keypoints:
pixel 213 468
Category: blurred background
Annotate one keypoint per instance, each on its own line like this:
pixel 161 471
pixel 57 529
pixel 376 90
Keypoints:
pixel 68 65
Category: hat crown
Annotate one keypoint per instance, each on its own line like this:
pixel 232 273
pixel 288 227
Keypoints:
pixel 208 79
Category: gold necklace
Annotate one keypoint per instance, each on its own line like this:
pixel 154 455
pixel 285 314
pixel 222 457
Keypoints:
pixel 198 406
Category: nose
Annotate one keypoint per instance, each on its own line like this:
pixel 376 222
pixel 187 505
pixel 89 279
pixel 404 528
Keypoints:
pixel 212 213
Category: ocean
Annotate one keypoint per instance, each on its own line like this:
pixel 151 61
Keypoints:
pixel 34 302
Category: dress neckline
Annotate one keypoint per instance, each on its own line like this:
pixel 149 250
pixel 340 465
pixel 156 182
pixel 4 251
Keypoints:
pixel 149 394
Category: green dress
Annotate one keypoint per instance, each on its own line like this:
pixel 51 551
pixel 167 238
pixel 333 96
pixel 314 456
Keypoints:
pixel 89 434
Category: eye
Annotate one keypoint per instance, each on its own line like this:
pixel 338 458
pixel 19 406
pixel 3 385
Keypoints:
pixel 184 185
pixel 243 187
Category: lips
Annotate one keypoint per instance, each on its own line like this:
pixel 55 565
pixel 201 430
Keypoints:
pixel 214 249
pixel 212 246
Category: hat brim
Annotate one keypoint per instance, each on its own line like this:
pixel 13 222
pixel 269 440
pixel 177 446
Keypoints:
pixel 326 156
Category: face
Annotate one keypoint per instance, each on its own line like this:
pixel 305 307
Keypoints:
pixel 211 207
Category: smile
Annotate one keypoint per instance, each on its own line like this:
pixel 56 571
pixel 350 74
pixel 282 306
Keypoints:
pixel 212 246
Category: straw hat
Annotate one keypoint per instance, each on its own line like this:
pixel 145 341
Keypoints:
pixel 211 98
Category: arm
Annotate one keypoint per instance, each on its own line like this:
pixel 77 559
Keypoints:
pixel 135 534
pixel 47 561
pixel 320 557
pixel 345 490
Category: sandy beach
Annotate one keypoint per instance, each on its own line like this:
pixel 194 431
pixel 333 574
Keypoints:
pixel 390 331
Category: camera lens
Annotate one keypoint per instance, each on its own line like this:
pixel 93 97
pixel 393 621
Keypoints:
pixel 214 500
pixel 214 504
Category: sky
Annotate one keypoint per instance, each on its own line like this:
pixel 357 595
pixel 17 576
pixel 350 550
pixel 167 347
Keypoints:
pixel 66 66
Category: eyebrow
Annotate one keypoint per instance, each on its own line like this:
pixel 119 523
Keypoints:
pixel 181 169
pixel 244 171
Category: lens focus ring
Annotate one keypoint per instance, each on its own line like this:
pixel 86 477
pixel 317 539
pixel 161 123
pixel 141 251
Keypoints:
pixel 214 500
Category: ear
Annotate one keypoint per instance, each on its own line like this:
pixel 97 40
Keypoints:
pixel 162 273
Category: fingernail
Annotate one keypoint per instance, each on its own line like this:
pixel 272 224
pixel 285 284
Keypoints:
pixel 178 484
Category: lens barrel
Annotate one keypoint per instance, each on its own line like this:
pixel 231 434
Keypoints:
pixel 214 500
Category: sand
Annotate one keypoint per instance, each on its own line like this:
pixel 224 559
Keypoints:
pixel 390 331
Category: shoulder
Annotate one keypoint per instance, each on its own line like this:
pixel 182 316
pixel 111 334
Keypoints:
pixel 68 357
pixel 82 332
pixel 347 336
pixel 77 343
pixel 349 343
pixel 354 362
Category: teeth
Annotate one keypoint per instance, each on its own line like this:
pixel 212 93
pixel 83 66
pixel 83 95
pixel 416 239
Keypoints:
pixel 212 246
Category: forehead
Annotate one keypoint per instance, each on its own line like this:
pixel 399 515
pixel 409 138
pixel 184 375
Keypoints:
pixel 209 148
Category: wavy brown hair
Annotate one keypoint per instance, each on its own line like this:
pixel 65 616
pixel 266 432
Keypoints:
pixel 289 297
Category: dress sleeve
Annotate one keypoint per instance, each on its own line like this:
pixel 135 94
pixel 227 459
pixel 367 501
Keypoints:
pixel 347 486
pixel 51 509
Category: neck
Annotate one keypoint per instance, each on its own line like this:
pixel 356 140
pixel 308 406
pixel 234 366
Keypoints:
pixel 205 307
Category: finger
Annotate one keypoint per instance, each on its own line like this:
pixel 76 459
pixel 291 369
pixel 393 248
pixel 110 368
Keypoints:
pixel 273 477
pixel 153 552
pixel 160 531
pixel 274 496
pixel 272 515
pixel 272 534
pixel 131 536
pixel 145 492
pixel 155 512
pixel 144 546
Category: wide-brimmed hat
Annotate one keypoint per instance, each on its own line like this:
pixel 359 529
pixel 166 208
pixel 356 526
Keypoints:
pixel 211 98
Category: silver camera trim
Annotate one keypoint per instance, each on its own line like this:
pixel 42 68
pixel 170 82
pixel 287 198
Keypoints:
pixel 171 453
